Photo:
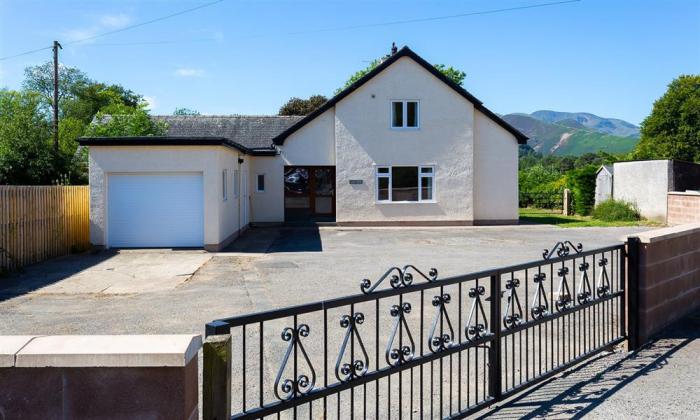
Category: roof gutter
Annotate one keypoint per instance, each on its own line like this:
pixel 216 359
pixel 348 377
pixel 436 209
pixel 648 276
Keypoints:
pixel 173 141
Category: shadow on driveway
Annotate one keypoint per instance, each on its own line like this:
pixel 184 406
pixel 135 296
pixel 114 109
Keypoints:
pixel 278 239
pixel 45 273
pixel 594 384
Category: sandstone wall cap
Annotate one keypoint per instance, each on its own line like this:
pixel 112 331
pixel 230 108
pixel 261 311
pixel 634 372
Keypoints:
pixel 667 233
pixel 9 346
pixel 109 351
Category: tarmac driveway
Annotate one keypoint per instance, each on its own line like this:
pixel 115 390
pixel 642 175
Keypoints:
pixel 165 291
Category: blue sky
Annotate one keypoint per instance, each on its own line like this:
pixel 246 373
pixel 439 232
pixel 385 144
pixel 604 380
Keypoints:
pixel 612 58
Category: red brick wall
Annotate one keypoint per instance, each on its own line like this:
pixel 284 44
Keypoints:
pixel 683 208
pixel 669 278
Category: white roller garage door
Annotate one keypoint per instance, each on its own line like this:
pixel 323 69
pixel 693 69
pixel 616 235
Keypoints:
pixel 155 210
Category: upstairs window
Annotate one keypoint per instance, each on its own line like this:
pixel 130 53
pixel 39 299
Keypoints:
pixel 404 114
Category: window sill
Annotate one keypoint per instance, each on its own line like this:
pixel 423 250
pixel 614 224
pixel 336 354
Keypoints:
pixel 407 202
pixel 404 128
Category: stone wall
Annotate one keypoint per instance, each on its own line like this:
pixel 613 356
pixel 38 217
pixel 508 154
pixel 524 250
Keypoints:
pixel 664 279
pixel 87 377
pixel 683 207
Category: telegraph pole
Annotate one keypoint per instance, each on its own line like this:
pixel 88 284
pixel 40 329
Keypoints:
pixel 56 46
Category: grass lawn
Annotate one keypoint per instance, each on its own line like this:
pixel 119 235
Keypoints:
pixel 542 216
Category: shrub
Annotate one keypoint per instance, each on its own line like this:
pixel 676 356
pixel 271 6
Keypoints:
pixel 616 211
pixel 583 186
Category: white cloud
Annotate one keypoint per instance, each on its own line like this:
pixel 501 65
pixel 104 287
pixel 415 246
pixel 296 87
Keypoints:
pixel 151 101
pixel 101 24
pixel 189 72
pixel 115 21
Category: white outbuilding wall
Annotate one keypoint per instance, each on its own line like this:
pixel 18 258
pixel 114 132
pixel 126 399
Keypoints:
pixel 603 186
pixel 645 184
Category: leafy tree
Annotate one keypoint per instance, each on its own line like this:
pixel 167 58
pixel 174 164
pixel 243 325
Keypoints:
pixel 91 97
pixel 121 120
pixel 672 130
pixel 453 74
pixel 298 106
pixel 40 79
pixel 26 154
pixel 185 111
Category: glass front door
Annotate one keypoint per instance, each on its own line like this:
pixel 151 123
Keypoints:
pixel 309 193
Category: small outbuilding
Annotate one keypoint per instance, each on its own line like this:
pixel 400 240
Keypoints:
pixel 604 184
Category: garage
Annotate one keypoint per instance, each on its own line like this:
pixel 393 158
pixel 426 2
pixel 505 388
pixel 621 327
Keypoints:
pixel 155 210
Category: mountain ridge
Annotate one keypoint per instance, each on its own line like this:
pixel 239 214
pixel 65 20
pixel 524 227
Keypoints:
pixel 574 133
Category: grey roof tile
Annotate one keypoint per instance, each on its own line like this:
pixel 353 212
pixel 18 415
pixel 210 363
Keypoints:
pixel 252 131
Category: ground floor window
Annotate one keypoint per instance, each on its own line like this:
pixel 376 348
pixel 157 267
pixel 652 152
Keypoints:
pixel 405 183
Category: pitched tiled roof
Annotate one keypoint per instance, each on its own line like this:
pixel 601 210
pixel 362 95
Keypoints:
pixel 251 131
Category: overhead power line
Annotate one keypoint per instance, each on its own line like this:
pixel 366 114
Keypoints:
pixel 126 28
pixel 148 22
pixel 433 18
pixel 27 52
pixel 332 29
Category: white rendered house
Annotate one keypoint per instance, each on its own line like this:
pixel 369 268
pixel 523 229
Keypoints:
pixel 404 145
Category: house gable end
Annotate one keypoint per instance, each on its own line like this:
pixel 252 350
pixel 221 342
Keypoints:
pixel 403 52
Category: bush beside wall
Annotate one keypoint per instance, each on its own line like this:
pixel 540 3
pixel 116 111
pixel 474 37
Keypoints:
pixel 616 211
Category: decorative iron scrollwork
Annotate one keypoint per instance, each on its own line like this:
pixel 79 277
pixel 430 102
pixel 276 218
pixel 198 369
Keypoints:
pixel 437 341
pixel 562 249
pixel 290 388
pixel 476 329
pixel 540 304
pixel 603 288
pixel 514 311
pixel 358 367
pixel 400 277
pixel 401 353
pixel 564 299
pixel 585 293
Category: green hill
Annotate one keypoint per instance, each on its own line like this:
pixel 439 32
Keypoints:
pixel 569 136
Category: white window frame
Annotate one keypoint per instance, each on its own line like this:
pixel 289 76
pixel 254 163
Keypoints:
pixel 405 114
pixel 236 182
pixel 257 183
pixel 421 175
pixel 224 184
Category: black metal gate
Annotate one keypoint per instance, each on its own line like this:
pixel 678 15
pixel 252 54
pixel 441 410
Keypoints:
pixel 416 345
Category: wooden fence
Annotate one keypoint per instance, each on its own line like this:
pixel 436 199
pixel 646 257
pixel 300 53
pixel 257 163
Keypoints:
pixel 41 222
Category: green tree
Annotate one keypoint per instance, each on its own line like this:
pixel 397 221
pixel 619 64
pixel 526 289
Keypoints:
pixel 299 106
pixel 672 130
pixel 121 120
pixel 26 153
pixel 40 79
pixel 185 111
pixel 89 98
pixel 453 74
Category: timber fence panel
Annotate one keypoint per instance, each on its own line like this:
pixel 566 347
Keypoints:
pixel 41 222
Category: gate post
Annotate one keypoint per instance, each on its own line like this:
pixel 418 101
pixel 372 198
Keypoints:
pixel 216 373
pixel 495 347
pixel 633 246
pixel 567 203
